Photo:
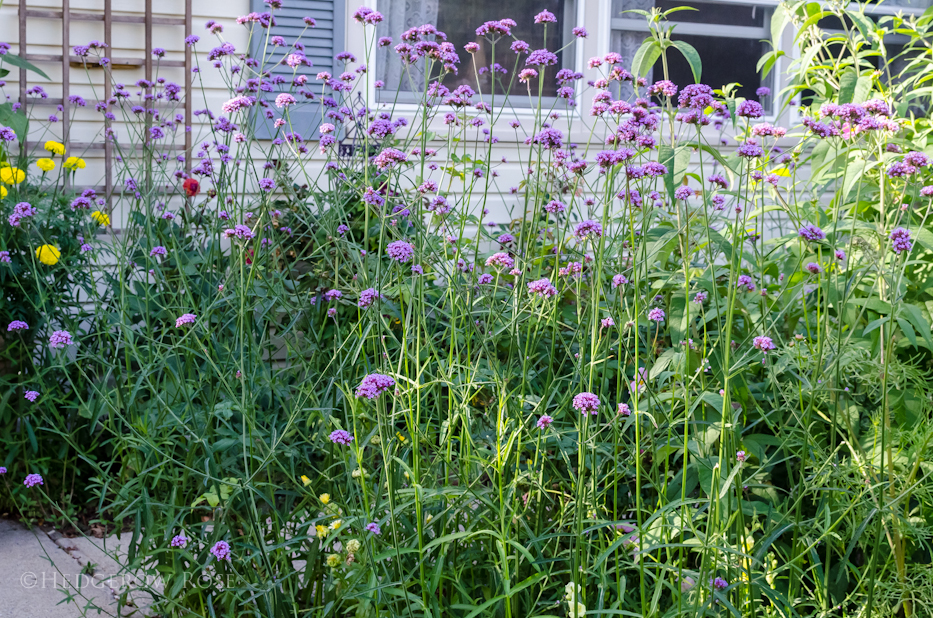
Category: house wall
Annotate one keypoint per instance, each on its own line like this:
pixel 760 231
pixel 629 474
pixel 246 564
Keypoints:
pixel 44 37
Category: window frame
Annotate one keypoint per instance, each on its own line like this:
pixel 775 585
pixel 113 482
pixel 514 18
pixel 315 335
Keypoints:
pixel 762 33
pixel 406 101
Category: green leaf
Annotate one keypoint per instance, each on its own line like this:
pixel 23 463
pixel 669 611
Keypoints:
pixel 693 58
pixel 913 315
pixel 767 62
pixel 16 121
pixel 666 158
pixel 908 331
pixel 862 89
pixel 847 86
pixel 645 57
pixel 23 64
pixel 864 25
pixel 812 21
pixel 779 20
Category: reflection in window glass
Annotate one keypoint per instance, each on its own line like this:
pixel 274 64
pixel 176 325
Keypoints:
pixel 459 19
pixel 728 37
pixel 725 61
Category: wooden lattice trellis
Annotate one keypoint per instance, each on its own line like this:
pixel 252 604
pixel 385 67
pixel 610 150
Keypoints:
pixel 68 60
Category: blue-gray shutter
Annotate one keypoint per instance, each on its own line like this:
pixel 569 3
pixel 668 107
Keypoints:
pixel 321 43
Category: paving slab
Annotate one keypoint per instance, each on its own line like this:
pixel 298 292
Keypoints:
pixel 40 579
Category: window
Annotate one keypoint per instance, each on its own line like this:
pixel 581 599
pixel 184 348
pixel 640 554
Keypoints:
pixel 730 37
pixel 320 45
pixel 458 20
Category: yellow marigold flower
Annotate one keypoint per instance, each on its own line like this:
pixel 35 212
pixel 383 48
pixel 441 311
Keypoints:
pixel 333 560
pixel 48 254
pixel 305 480
pixel 12 176
pixel 3 192
pixel 321 531
pixel 55 147
pixel 324 498
pixel 335 524
pixel 101 218
pixel 74 163
pixel 46 165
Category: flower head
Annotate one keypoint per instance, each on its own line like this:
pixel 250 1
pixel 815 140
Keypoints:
pixel 586 402
pixel 12 175
pixel 221 550
pixel 16 325
pixel 543 288
pixel 54 147
pixel 31 395
pixel 587 229
pixel 285 100
pixel 374 528
pixel 46 165
pixel 544 421
pixel 74 163
pixel 763 343
pixel 191 187
pixel 368 297
pixel 100 218
pixel 341 436
pixel 502 260
pixel 400 251
pixel 60 339
pixel 811 232
pixel 900 240
pixel 374 385
pixel 32 480
pixel 186 318
pixel 656 315
pixel 180 540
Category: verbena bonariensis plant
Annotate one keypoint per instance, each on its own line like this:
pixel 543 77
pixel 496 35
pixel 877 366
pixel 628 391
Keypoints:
pixel 683 380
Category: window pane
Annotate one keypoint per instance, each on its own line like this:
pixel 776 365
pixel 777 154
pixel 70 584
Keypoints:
pixel 459 19
pixel 712 13
pixel 725 60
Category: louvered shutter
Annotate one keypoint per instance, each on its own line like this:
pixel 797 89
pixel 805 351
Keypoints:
pixel 321 43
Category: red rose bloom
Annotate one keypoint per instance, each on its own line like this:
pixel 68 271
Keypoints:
pixel 191 187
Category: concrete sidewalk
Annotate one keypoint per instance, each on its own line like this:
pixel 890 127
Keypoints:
pixel 46 575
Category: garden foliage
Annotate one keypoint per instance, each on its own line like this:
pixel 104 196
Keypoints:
pixel 314 378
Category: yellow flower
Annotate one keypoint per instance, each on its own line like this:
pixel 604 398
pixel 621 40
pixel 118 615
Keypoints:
pixel 46 165
pixel 335 524
pixel 48 254
pixel 333 561
pixel 74 163
pixel 3 192
pixel 324 498
pixel 305 480
pixel 12 176
pixel 55 147
pixel 101 218
pixel 321 531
